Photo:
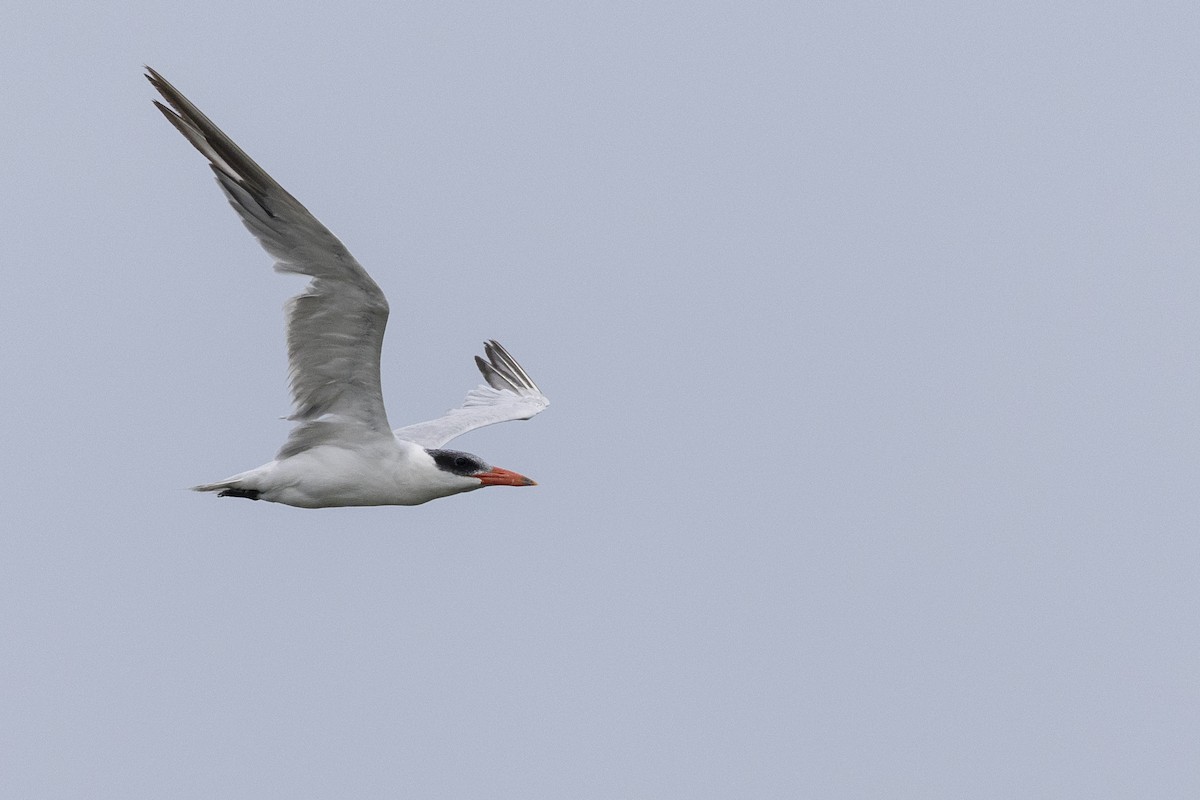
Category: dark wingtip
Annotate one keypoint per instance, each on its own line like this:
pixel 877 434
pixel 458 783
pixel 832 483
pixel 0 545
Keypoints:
pixel 151 74
pixel 496 379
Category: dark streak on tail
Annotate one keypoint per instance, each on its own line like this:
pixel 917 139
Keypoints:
pixel 249 494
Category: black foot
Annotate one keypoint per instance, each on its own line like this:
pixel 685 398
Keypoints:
pixel 249 494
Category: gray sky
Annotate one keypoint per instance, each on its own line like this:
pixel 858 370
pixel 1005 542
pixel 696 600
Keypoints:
pixel 871 336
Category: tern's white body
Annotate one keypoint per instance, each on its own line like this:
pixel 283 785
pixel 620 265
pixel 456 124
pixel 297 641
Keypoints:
pixel 342 451
pixel 386 473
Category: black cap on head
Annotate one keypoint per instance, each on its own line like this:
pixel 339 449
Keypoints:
pixel 458 462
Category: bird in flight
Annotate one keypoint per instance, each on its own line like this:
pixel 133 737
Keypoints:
pixel 342 452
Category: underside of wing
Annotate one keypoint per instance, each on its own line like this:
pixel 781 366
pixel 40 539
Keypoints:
pixel 510 394
pixel 336 326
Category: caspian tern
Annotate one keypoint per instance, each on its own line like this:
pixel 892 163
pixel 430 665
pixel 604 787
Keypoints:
pixel 341 451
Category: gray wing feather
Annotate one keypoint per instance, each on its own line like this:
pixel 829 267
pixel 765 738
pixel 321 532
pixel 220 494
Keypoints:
pixel 510 394
pixel 335 327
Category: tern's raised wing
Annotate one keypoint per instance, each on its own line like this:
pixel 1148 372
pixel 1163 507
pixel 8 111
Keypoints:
pixel 510 394
pixel 335 327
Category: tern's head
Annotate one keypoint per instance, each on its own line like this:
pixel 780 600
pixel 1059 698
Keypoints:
pixel 474 468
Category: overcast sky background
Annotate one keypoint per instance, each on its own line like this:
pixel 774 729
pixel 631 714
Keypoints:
pixel 872 342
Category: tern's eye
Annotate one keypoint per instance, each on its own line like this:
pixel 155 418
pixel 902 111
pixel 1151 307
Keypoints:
pixel 458 462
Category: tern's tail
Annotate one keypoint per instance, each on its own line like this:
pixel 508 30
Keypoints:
pixel 230 487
